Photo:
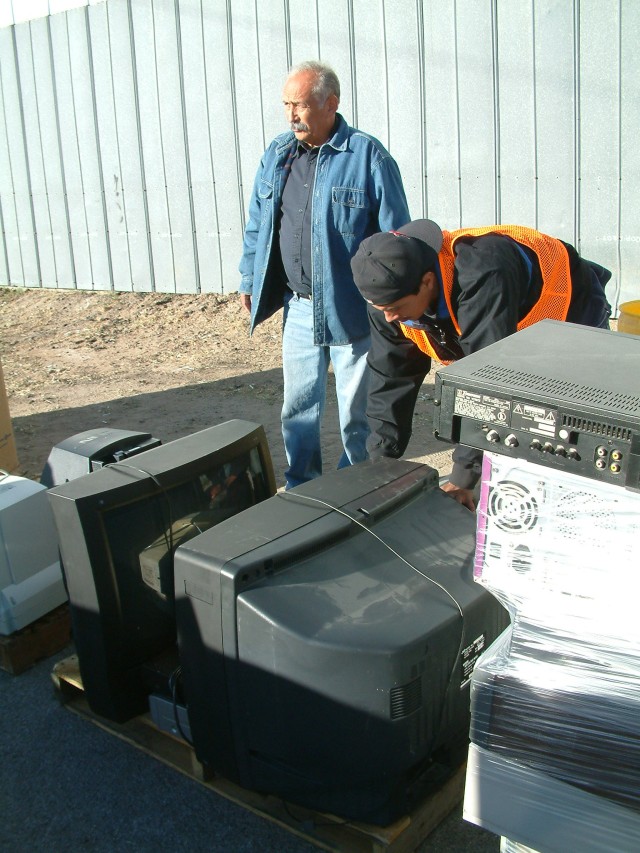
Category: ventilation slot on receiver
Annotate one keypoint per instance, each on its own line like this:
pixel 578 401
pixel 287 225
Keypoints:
pixel 597 428
pixel 557 388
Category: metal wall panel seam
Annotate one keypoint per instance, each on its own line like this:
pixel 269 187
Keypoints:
pixel 422 77
pixel 161 143
pixel 44 169
pixel 125 217
pixel 15 200
pixel 234 113
pixel 103 199
pixel 187 152
pixel 535 118
pixel 458 128
pixel 385 63
pixel 259 67
pixel 61 155
pixel 78 153
pixel 619 223
pixel 26 155
pixel 143 176
pixel 495 47
pixel 317 5
pixel 577 169
pixel 287 32
pixel 4 243
pixel 213 170
pixel 352 63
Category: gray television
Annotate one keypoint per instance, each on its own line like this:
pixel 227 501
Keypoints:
pixel 327 638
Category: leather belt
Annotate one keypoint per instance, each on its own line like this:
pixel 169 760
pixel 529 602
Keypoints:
pixel 302 295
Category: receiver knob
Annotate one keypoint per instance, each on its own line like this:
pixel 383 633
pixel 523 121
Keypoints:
pixel 493 436
pixel 547 447
pixel 511 440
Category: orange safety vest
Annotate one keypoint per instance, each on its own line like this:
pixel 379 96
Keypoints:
pixel 553 258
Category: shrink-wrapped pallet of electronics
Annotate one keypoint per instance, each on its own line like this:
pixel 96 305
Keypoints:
pixel 554 761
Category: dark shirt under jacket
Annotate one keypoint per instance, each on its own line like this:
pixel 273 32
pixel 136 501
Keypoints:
pixel 295 220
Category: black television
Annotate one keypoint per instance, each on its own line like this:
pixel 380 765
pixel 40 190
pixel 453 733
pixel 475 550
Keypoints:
pixel 327 638
pixel 118 528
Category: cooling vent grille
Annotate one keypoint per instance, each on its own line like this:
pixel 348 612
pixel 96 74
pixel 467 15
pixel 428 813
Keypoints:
pixel 512 507
pixel 597 428
pixel 584 394
pixel 406 698
pixel 571 508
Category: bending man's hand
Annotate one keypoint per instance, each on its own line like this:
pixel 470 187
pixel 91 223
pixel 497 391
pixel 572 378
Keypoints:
pixel 463 496
pixel 245 301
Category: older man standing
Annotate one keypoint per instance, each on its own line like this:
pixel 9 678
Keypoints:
pixel 321 188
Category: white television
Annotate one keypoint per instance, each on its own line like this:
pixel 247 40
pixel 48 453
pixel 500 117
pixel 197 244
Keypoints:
pixel 31 582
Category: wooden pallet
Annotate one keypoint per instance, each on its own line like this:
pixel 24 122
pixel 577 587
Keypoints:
pixel 325 831
pixel 43 638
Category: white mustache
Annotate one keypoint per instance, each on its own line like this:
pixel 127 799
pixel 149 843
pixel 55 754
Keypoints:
pixel 299 125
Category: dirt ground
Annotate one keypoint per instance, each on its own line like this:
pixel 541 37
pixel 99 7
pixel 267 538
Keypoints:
pixel 165 364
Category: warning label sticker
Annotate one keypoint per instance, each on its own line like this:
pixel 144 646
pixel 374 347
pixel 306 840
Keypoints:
pixel 470 655
pixel 534 419
pixel 482 407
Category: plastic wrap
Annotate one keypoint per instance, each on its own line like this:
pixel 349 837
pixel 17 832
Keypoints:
pixel 555 702
pixel 509 846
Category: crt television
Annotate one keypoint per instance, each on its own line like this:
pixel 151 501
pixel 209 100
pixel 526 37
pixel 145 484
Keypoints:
pixel 85 451
pixel 30 578
pixel 327 638
pixel 118 528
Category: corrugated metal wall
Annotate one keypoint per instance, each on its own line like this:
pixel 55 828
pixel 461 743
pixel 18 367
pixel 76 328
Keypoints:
pixel 130 130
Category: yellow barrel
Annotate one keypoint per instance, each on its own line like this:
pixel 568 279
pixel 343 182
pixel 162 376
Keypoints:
pixel 629 317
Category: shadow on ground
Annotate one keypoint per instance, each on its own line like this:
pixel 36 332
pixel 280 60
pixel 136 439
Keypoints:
pixel 176 412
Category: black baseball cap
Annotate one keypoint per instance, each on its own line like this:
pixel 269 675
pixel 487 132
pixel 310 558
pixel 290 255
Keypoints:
pixel 390 265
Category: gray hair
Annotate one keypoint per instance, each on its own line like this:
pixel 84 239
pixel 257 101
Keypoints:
pixel 326 82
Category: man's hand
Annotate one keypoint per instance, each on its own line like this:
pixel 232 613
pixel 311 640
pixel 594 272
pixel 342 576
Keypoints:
pixel 463 496
pixel 245 301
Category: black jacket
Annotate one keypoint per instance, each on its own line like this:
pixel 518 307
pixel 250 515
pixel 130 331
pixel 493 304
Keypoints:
pixel 493 289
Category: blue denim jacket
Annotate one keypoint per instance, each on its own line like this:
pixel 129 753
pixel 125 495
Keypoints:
pixel 357 192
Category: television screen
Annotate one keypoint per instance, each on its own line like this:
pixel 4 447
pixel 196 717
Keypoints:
pixel 118 529
pixel 327 639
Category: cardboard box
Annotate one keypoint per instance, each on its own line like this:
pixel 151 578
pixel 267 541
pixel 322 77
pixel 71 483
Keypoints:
pixel 8 455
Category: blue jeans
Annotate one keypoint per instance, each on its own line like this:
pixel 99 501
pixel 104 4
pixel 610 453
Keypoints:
pixel 305 368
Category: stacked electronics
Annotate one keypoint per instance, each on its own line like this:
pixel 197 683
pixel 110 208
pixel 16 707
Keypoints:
pixel 315 644
pixel 31 575
pixel 554 762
